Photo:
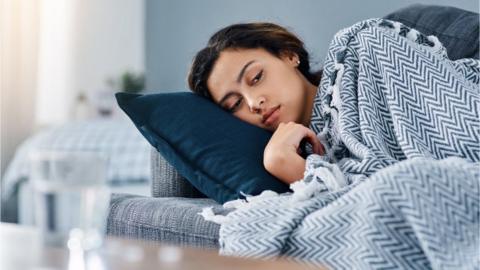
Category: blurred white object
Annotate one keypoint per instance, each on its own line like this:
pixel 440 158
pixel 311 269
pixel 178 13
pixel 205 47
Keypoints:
pixel 83 108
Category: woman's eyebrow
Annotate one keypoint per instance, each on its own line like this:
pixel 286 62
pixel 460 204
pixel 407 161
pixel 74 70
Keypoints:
pixel 239 79
pixel 240 75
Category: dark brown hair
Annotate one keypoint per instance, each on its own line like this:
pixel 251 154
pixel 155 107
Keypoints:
pixel 271 37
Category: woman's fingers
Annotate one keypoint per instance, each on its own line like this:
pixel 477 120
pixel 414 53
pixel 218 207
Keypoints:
pixel 294 133
pixel 314 141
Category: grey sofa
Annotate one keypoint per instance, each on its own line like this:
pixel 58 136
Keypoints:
pixel 169 216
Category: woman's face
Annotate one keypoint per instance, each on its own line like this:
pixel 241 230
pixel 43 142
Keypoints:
pixel 261 89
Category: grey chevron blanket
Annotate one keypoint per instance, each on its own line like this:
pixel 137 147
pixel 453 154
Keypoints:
pixel 399 186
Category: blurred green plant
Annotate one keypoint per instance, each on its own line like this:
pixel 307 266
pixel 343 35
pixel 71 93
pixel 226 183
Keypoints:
pixel 128 81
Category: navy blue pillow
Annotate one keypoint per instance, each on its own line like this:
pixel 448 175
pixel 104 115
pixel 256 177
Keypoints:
pixel 217 153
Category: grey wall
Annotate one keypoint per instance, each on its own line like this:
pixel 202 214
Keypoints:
pixel 177 29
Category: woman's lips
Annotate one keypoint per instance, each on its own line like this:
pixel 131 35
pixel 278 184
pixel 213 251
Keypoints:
pixel 272 116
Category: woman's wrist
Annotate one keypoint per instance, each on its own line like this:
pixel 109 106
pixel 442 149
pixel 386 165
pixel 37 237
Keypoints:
pixel 288 167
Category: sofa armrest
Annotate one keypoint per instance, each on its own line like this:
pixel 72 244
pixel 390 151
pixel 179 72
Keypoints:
pixel 457 29
pixel 167 220
pixel 167 182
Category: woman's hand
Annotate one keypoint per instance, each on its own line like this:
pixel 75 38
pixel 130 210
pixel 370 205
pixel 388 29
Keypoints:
pixel 281 157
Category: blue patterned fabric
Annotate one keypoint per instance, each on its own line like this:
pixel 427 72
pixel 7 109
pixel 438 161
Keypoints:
pixel 399 186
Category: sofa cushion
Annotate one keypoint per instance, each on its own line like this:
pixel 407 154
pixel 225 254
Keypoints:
pixel 457 29
pixel 217 153
pixel 168 220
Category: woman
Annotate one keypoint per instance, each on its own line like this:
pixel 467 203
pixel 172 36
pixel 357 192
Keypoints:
pixel 399 130
pixel 260 73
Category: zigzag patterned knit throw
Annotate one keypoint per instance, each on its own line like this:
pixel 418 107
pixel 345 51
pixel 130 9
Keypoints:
pixel 399 187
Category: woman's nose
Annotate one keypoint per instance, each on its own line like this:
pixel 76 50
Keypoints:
pixel 257 106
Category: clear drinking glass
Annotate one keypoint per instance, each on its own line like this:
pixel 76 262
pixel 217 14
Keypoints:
pixel 71 197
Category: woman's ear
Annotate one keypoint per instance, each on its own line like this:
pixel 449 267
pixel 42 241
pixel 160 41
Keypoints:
pixel 291 58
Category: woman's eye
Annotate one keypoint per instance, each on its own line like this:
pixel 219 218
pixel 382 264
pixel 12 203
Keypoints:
pixel 235 106
pixel 258 77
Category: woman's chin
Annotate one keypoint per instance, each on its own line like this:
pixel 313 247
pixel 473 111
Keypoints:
pixel 269 128
pixel 273 127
